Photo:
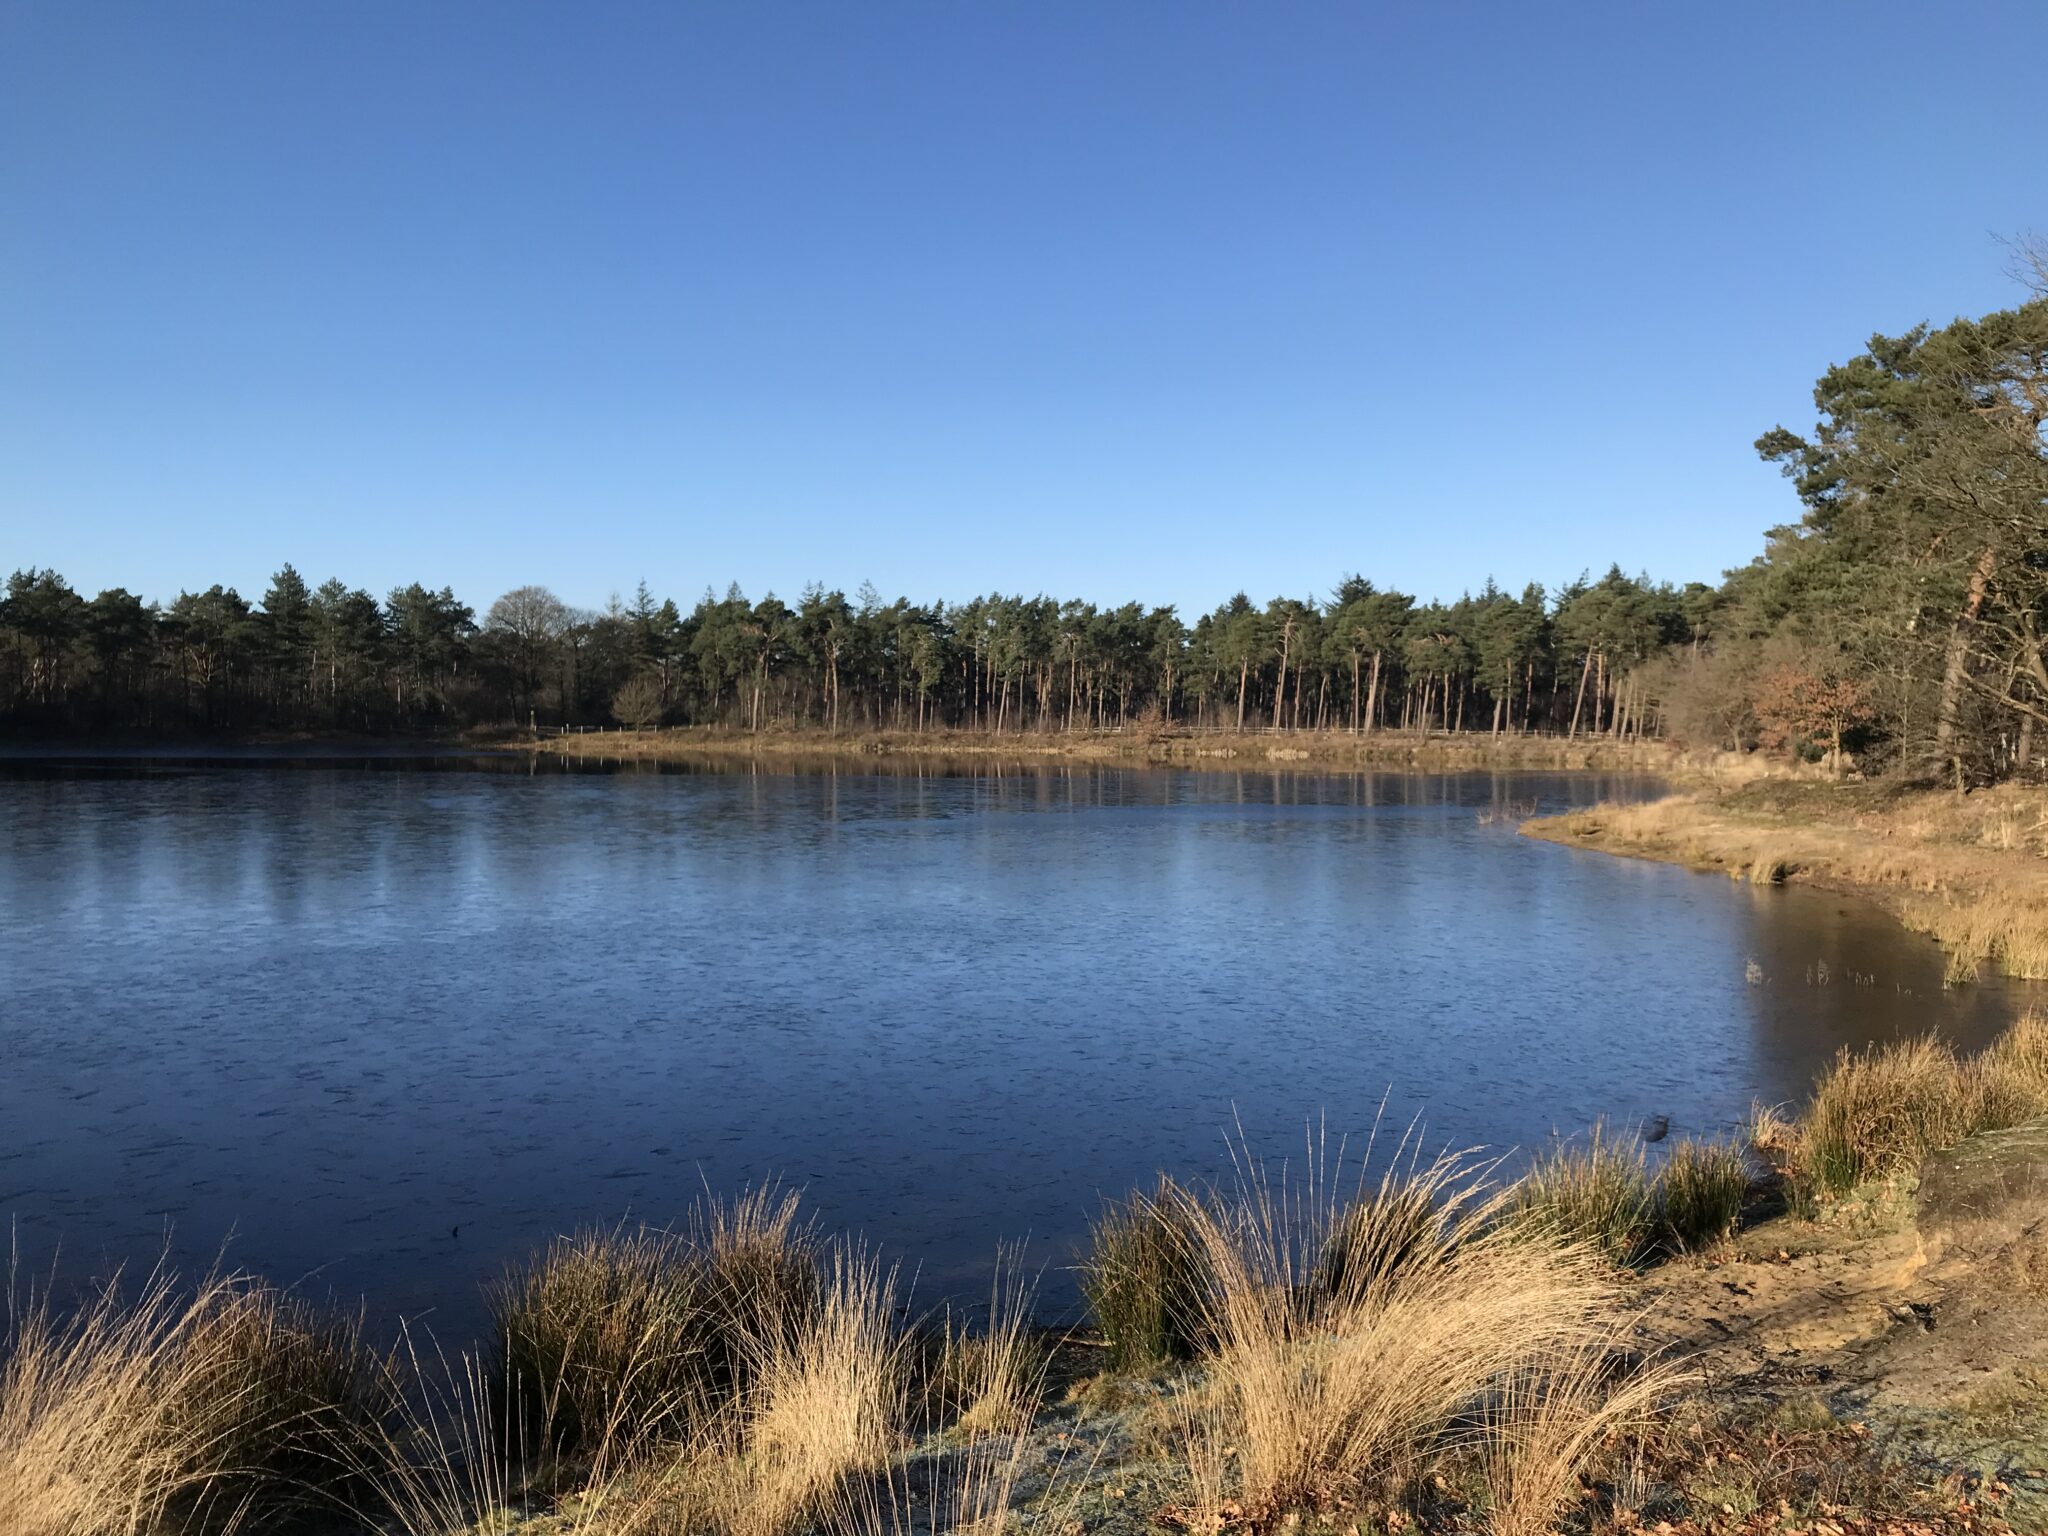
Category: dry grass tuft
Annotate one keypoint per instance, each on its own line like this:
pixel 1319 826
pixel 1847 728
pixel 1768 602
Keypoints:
pixel 1878 1113
pixel 1146 1279
pixel 1699 1194
pixel 827 1400
pixel 2008 1082
pixel 990 1382
pixel 1596 1192
pixel 818 1404
pixel 1552 1420
pixel 1322 1394
pixel 647 1333
pixel 1772 1133
pixel 229 1406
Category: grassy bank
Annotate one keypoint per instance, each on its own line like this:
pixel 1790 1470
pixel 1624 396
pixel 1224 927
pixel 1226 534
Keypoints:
pixel 1139 746
pixel 1972 870
pixel 1428 1349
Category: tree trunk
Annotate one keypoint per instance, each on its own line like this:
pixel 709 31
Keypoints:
pixel 1579 703
pixel 1953 674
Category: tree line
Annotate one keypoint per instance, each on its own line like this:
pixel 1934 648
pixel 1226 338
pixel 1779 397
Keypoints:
pixel 1898 622
pixel 334 658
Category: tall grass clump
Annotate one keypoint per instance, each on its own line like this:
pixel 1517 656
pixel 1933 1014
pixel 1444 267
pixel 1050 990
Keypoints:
pixel 827 1400
pixel 985 1382
pixel 2008 1081
pixel 1549 1420
pixel 817 1402
pixel 1699 1194
pixel 224 1407
pixel 1596 1193
pixel 1312 1396
pixel 1878 1112
pixel 648 1334
pixel 1380 1234
pixel 1146 1280
pixel 604 1332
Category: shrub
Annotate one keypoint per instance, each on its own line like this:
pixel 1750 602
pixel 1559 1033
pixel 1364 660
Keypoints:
pixel 1146 1280
pixel 1699 1194
pixel 1596 1193
pixel 639 703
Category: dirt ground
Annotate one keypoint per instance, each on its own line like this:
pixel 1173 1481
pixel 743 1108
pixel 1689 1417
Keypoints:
pixel 1920 1317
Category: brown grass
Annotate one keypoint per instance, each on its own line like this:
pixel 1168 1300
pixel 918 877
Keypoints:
pixel 1313 1396
pixel 990 1382
pixel 1595 1193
pixel 225 1407
pixel 827 1402
pixel 1551 1420
pixel 1877 1113
pixel 650 1333
pixel 1149 743
pixel 819 1402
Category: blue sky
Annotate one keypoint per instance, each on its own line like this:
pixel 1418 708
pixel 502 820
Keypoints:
pixel 1110 300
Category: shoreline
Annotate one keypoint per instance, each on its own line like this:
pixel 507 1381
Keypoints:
pixel 1867 1364
pixel 1227 751
pixel 1971 871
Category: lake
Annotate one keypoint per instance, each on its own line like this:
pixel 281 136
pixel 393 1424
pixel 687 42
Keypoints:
pixel 381 1026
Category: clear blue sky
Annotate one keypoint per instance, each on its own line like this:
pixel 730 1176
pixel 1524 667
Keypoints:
pixel 1105 299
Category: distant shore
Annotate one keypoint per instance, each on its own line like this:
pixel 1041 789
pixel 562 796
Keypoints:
pixel 1226 751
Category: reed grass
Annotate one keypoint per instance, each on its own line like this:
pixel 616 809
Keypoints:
pixel 1699 1194
pixel 989 1382
pixel 1877 1113
pixel 1596 1192
pixel 827 1402
pixel 818 1401
pixel 225 1407
pixel 1553 1419
pixel 651 1332
pixel 1313 1396
pixel 2008 1081
pixel 1377 1237
pixel 1146 1280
